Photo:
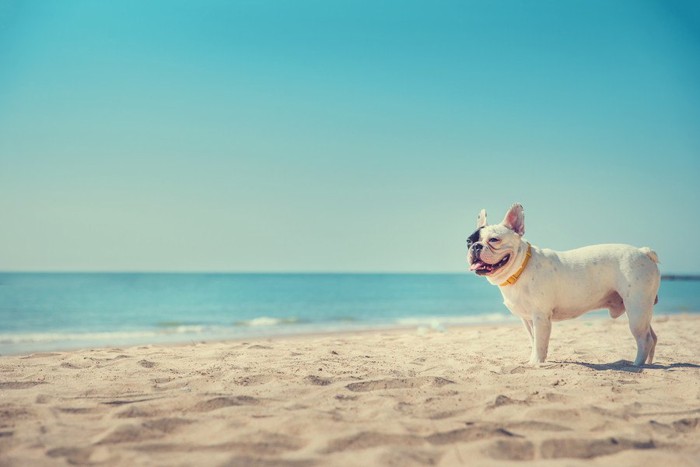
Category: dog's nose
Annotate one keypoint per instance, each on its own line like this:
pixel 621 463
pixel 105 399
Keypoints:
pixel 476 250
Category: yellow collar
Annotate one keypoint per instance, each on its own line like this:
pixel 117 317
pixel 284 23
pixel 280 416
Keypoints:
pixel 514 278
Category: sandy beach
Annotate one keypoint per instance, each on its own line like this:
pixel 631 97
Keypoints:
pixel 403 397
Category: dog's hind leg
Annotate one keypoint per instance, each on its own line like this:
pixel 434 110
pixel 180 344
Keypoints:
pixel 639 315
pixel 650 358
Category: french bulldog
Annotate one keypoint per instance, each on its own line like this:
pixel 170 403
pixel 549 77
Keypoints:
pixel 541 285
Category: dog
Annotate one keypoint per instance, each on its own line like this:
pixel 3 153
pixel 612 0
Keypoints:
pixel 541 285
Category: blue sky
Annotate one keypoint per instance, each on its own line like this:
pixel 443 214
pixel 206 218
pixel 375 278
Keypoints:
pixel 342 136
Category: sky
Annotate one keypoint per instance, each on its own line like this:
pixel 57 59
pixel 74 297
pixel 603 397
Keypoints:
pixel 343 136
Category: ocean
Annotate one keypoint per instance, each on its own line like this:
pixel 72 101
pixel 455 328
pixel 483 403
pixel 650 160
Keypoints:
pixel 57 311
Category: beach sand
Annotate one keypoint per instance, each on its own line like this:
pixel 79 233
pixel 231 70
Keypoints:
pixel 460 397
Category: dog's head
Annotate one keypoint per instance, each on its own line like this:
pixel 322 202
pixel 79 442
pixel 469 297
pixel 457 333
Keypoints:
pixel 492 248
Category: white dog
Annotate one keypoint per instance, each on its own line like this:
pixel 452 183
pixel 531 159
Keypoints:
pixel 541 285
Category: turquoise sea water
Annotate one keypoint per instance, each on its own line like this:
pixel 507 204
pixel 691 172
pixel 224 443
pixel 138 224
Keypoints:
pixel 40 312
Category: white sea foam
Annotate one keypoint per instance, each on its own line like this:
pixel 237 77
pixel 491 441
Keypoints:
pixel 80 336
pixel 436 322
pixel 267 321
pixel 185 329
pixel 38 337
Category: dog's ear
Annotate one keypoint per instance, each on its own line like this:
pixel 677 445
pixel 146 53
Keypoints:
pixel 481 219
pixel 515 219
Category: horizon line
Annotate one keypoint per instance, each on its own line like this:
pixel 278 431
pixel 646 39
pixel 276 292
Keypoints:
pixel 664 277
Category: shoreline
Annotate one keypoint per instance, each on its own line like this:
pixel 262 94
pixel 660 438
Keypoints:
pixel 421 326
pixel 389 397
pixel 361 330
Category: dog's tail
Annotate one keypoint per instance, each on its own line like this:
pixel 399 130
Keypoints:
pixel 651 254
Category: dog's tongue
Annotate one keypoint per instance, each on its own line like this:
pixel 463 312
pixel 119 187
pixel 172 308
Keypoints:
pixel 476 266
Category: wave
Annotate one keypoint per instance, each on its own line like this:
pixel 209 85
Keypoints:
pixel 72 336
pixel 57 336
pixel 265 324
pixel 437 321
pixel 267 321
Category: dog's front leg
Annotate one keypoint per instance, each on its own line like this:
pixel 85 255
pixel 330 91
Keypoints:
pixel 542 327
pixel 528 325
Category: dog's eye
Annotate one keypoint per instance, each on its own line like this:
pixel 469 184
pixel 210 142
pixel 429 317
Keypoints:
pixel 494 240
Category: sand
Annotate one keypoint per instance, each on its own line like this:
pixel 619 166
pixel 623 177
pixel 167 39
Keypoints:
pixel 460 397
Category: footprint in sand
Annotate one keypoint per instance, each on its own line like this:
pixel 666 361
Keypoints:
pixel 73 455
pixel 224 401
pixel 254 380
pixel 535 425
pixel 266 443
pixel 511 449
pixel 19 384
pixel 370 439
pixel 559 414
pixel 70 366
pixel 136 412
pixel 317 380
pixel 471 433
pixel 502 400
pixel 149 429
pixel 118 402
pixel 77 410
pixel 399 383
pixel 411 456
pixel 13 413
pixel 686 425
pixel 588 449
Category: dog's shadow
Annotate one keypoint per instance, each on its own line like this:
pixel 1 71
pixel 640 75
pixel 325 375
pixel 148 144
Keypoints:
pixel 626 365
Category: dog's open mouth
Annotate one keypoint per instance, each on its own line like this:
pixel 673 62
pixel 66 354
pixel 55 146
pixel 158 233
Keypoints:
pixel 484 269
